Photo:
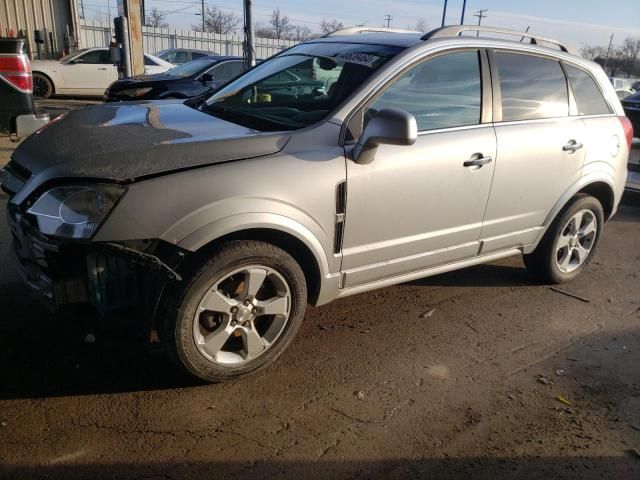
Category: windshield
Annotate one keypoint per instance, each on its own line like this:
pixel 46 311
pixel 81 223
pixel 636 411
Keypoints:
pixel 298 87
pixel 190 68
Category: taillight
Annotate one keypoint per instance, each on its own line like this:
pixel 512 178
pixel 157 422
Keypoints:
pixel 15 69
pixel 628 130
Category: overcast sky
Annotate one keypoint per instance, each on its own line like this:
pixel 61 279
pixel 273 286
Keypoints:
pixel 573 21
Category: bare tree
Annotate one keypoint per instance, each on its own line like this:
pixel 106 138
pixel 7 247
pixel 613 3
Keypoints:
pixel 300 33
pixel 628 54
pixel 155 18
pixel 329 26
pixel 592 52
pixel 218 21
pixel 280 25
pixel 421 25
pixel 264 31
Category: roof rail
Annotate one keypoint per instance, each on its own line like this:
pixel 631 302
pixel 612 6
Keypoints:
pixel 354 30
pixel 455 30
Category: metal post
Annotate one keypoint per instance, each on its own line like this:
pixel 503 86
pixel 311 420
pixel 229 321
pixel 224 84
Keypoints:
pixel 249 39
pixel 203 22
pixel 82 7
pixel 606 60
pixel 388 19
pixel 464 7
pixel 126 50
pixel 444 12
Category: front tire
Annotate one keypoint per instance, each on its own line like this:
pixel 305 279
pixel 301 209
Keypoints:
pixel 569 243
pixel 42 86
pixel 238 312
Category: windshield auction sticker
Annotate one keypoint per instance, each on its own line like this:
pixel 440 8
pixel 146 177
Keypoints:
pixel 359 58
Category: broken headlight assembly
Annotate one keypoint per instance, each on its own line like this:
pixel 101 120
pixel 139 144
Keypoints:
pixel 75 211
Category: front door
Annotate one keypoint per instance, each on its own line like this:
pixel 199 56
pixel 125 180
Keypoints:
pixel 419 206
pixel 89 74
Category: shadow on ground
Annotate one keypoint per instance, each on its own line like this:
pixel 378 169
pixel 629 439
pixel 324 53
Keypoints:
pixel 531 468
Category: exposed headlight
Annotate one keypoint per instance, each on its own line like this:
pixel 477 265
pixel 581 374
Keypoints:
pixel 134 92
pixel 74 212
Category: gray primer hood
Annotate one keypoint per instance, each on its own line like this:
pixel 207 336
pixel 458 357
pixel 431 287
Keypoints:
pixel 129 140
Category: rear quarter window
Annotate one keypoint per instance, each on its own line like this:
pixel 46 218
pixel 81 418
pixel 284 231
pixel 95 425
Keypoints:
pixel 532 87
pixel 587 94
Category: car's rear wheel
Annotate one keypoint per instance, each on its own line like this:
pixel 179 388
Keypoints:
pixel 42 86
pixel 569 243
pixel 238 312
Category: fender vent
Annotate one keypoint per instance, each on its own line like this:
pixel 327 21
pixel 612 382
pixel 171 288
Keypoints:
pixel 341 207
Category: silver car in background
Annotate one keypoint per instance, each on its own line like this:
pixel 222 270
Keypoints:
pixel 216 220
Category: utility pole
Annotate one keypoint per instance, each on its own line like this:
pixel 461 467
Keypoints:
pixel 480 16
pixel 444 12
pixel 388 19
pixel 249 42
pixel 464 7
pixel 606 60
pixel 203 22
pixel 82 7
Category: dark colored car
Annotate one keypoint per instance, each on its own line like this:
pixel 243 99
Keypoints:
pixel 188 80
pixel 631 106
pixel 178 56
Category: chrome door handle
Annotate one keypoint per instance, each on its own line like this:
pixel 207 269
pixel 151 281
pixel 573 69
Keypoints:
pixel 477 162
pixel 101 68
pixel 572 146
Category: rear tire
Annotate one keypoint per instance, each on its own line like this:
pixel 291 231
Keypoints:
pixel 238 312
pixel 569 243
pixel 42 86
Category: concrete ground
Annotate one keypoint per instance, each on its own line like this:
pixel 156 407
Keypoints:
pixel 479 373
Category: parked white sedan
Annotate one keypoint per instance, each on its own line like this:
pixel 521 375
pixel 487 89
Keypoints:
pixel 86 72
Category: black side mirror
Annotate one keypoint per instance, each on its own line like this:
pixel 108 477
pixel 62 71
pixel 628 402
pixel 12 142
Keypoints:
pixel 206 77
pixel 389 126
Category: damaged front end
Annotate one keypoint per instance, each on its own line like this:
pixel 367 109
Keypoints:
pixel 120 279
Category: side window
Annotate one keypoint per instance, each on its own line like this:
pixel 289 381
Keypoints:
pixel 97 57
pixel 149 61
pixel 226 71
pixel 442 92
pixel 588 95
pixel 195 55
pixel 531 87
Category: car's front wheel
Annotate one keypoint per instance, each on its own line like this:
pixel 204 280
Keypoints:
pixel 570 241
pixel 42 86
pixel 238 312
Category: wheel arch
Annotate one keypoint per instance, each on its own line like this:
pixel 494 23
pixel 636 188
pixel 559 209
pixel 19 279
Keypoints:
pixel 48 77
pixel 599 184
pixel 283 232
pixel 604 193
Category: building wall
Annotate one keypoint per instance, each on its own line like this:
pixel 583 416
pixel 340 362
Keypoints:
pixel 28 15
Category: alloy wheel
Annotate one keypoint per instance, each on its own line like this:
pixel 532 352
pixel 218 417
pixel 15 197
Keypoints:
pixel 576 241
pixel 241 315
pixel 40 87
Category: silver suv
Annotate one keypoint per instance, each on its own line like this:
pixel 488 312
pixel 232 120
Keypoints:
pixel 343 164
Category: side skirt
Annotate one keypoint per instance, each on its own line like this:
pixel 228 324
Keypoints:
pixel 428 272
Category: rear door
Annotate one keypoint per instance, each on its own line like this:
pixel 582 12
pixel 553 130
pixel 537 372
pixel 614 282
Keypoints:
pixel 540 147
